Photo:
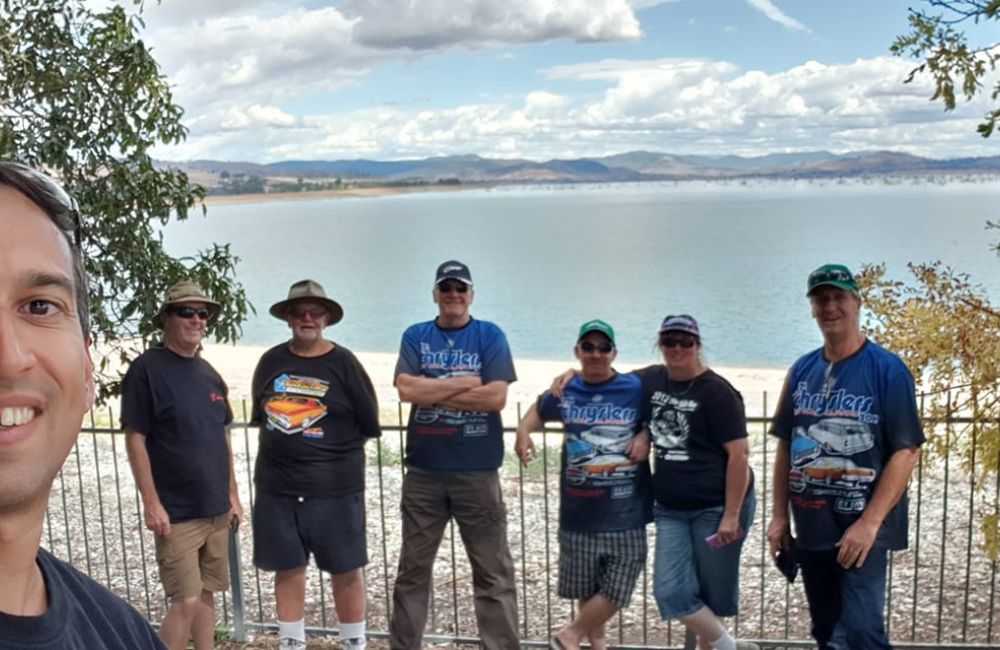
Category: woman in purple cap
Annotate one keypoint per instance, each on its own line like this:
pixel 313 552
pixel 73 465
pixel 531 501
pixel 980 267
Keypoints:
pixel 702 485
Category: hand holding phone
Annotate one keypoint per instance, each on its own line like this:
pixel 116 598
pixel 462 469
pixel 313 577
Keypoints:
pixel 715 543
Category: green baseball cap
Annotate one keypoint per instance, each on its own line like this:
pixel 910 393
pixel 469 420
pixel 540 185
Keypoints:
pixel 597 325
pixel 834 275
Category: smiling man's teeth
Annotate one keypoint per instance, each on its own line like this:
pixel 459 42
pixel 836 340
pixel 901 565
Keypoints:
pixel 13 416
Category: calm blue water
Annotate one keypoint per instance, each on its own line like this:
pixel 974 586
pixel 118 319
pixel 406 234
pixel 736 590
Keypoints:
pixel 545 259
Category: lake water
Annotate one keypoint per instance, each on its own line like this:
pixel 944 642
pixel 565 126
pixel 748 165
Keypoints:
pixel 545 259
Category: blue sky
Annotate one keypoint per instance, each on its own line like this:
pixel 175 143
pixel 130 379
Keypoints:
pixel 389 79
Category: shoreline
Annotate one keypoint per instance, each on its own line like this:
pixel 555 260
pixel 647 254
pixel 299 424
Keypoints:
pixel 236 363
pixel 354 192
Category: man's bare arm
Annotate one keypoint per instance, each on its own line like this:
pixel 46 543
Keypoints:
pixel 859 538
pixel 779 529
pixel 154 514
pixel 428 391
pixel 491 397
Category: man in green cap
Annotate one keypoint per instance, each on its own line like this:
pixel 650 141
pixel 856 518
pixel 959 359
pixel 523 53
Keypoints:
pixel 605 500
pixel 176 416
pixel 849 437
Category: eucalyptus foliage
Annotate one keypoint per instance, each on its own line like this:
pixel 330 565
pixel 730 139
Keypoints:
pixel 955 65
pixel 82 97
pixel 948 334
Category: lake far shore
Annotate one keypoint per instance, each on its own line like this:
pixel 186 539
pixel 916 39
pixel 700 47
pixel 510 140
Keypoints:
pixel 354 192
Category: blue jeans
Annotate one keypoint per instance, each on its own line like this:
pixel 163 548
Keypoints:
pixel 846 605
pixel 687 574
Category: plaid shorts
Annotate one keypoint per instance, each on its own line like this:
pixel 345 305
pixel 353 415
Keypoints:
pixel 606 563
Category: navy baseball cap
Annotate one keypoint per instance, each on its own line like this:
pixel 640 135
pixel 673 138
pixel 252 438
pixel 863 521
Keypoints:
pixel 453 270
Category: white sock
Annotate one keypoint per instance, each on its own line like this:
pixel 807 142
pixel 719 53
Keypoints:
pixel 725 642
pixel 292 630
pixel 352 630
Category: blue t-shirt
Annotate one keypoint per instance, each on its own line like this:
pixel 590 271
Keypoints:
pixel 601 489
pixel 843 422
pixel 441 439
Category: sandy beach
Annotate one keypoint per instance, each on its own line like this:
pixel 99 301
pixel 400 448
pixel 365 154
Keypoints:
pixel 237 362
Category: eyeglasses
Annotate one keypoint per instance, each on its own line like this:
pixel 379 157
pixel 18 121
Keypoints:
pixel 187 313
pixel 603 348
pixel 685 342
pixel 43 190
pixel 448 287
pixel 313 312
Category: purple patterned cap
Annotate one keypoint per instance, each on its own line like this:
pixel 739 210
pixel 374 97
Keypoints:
pixel 680 323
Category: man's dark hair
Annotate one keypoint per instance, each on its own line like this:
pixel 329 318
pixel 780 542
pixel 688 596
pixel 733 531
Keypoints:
pixel 60 207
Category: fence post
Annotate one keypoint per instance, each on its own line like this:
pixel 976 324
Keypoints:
pixel 236 587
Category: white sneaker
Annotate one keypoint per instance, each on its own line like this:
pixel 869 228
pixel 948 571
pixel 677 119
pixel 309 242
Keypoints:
pixel 291 644
pixel 746 645
pixel 355 643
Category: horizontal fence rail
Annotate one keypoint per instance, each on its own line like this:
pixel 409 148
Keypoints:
pixel 941 592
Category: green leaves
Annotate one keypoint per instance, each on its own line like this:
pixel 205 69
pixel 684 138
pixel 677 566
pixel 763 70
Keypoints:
pixel 82 97
pixel 948 58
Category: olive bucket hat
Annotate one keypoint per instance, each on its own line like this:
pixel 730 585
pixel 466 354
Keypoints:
pixel 307 290
pixel 186 291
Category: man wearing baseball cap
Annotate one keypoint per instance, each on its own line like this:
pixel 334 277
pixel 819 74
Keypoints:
pixel 316 408
pixel 849 438
pixel 454 370
pixel 176 416
pixel 604 500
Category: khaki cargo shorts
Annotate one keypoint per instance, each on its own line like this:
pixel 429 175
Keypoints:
pixel 194 557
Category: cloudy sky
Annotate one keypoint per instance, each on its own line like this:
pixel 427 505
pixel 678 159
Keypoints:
pixel 391 79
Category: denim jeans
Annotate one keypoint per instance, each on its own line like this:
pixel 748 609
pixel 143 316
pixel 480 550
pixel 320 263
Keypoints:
pixel 846 605
pixel 687 574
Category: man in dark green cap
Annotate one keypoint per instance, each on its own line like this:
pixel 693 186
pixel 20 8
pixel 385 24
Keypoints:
pixel 849 437
pixel 605 500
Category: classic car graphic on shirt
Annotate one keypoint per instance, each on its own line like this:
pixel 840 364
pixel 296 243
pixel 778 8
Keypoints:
pixel 599 453
pixel 292 413
pixel 842 436
pixel 830 470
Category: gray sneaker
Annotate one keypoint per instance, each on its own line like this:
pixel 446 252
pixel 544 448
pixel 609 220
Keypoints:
pixel 286 643
pixel 354 643
pixel 746 645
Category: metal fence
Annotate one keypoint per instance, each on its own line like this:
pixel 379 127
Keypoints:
pixel 941 592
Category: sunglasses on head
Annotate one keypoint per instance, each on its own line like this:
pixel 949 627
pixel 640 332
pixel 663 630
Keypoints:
pixel 603 348
pixel 67 215
pixel 313 312
pixel 685 342
pixel 188 313
pixel 448 287
pixel 831 275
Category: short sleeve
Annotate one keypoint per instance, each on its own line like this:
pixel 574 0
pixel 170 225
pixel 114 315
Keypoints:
pixel 137 399
pixel 409 354
pixel 498 364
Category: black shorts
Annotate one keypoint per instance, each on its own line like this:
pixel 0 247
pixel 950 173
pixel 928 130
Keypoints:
pixel 287 529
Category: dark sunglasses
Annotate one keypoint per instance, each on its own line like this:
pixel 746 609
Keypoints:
pixel 314 312
pixel 603 348
pixel 187 313
pixel 674 341
pixel 830 275
pixel 448 287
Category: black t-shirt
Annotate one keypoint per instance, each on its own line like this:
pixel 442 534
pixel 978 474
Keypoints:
pixel 690 422
pixel 314 414
pixel 181 405
pixel 82 615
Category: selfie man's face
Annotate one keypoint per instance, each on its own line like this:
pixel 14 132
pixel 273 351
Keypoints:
pixel 46 374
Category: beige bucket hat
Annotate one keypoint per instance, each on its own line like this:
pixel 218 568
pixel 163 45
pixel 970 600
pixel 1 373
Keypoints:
pixel 186 291
pixel 307 290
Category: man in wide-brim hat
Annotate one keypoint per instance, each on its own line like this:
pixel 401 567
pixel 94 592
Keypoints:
pixel 315 407
pixel 176 416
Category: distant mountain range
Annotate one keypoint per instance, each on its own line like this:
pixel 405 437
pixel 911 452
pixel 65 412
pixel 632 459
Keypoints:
pixel 633 166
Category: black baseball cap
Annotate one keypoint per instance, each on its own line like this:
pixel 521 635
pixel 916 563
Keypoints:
pixel 453 270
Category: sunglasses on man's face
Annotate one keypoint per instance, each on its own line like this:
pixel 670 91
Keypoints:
pixel 603 348
pixel 448 287
pixel 674 341
pixel 315 313
pixel 187 313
